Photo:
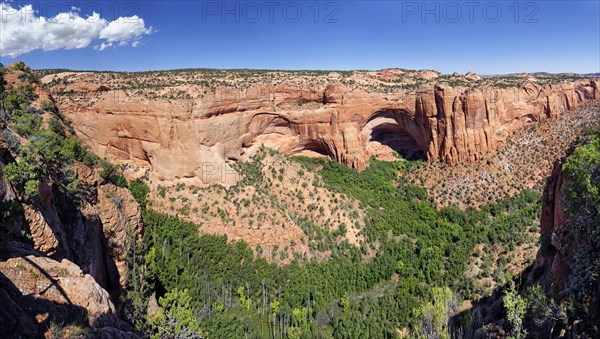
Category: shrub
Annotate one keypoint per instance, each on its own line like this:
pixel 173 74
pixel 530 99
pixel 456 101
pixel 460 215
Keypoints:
pixel 177 318
pixel 25 173
pixel 26 124
pixel 9 209
pixel 162 191
pixel 31 189
pixel 112 173
pixel 19 98
pixel 140 191
pixel 433 316
pixel 74 187
pixel 20 66
pixel 516 307
pixel 583 171
pixel 544 313
pixel 10 138
pixel 2 82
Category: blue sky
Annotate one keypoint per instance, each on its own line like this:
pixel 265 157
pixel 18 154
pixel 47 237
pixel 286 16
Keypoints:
pixel 481 36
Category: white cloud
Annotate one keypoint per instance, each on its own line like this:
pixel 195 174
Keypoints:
pixel 23 30
pixel 103 46
pixel 126 29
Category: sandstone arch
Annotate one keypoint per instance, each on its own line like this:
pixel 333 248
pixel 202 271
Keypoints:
pixel 279 132
pixel 271 123
pixel 393 130
pixel 312 148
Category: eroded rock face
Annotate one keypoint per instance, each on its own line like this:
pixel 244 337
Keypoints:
pixel 193 139
pixel 45 225
pixel 93 232
pixel 104 226
pixel 98 234
pixel 39 293
pixel 121 219
pixel 62 259
pixel 559 244
pixel 45 284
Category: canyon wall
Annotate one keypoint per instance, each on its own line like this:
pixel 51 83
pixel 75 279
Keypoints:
pixel 559 242
pixel 196 138
pixel 62 259
pixel 557 245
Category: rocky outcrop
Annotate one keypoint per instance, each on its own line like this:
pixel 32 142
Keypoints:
pixel 59 282
pixel 194 139
pixel 63 259
pixel 38 293
pixel 121 219
pixel 558 241
pixel 552 270
pixel 45 225
pixel 95 235
pixel 100 230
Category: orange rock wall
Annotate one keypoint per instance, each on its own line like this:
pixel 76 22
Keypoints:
pixel 197 139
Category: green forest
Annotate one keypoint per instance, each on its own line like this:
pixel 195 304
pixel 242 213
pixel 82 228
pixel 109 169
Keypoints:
pixel 414 282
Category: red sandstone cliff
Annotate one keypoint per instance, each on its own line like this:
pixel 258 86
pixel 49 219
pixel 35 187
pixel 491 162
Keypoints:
pixel 177 135
pixel 559 243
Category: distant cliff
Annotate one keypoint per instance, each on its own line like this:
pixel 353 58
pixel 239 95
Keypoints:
pixel 173 124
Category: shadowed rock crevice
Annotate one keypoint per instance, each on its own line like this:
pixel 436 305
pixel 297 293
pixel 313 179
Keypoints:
pixel 393 131
pixel 40 307
pixel 312 148
pixel 398 140
pixel 19 311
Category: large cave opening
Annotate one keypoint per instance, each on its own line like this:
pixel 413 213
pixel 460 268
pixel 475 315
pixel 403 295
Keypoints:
pixel 390 140
pixel 313 149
